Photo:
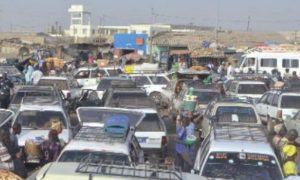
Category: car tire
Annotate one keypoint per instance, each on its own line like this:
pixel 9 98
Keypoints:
pixel 156 96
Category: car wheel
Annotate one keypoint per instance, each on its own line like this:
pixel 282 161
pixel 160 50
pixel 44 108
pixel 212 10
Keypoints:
pixel 156 97
pixel 270 126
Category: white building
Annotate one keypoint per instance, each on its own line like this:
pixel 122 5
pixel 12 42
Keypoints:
pixel 111 30
pixel 149 29
pixel 80 24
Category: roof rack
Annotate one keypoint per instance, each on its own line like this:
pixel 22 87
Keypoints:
pixel 242 132
pixel 141 171
pixel 97 134
pixel 256 76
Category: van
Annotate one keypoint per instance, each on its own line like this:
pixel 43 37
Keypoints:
pixel 266 60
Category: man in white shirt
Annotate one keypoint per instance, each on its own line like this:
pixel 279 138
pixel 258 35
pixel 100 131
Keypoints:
pixel 36 76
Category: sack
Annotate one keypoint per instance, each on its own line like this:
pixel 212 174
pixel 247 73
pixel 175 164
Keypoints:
pixel 32 148
pixel 7 175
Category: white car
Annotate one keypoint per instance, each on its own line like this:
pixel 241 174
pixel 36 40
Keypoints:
pixel 276 106
pixel 62 83
pixel 89 76
pixel 150 129
pixel 228 111
pixel 36 115
pixel 247 88
pixel 152 134
pixel 106 171
pixel 152 83
pixel 237 152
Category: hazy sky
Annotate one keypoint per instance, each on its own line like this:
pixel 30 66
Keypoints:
pixel 265 15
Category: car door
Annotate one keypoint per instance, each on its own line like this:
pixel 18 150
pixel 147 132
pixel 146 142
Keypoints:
pixel 82 77
pixel 206 120
pixel 261 107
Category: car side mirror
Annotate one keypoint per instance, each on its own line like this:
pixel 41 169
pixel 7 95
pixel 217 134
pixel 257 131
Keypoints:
pixel 288 117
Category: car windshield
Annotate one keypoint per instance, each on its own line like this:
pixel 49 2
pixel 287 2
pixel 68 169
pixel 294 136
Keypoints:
pixel 292 102
pixel 39 119
pixel 131 100
pixel 95 157
pixel 252 89
pixel 236 114
pixel 150 122
pixel 242 166
pixel 204 97
pixel 107 83
pixel 60 84
pixel 20 95
pixel 94 115
pixel 114 72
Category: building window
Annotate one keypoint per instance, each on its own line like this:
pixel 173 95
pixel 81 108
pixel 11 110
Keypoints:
pixel 76 15
pixel 268 62
pixel 74 31
pixel 76 21
pixel 84 31
pixel 294 63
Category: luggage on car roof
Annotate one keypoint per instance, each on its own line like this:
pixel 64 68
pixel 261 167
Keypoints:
pixel 117 126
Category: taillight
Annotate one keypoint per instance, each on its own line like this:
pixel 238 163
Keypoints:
pixel 164 141
pixel 279 114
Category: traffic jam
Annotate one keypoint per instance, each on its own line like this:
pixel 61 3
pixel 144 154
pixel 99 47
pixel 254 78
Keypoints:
pixel 127 120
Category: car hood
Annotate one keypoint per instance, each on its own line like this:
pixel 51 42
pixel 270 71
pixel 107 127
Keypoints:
pixel 27 134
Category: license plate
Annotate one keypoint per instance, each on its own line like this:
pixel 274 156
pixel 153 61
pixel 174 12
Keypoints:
pixel 142 140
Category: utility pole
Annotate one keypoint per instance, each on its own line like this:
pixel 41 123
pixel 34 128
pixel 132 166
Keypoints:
pixel 295 38
pixel 217 24
pixel 248 24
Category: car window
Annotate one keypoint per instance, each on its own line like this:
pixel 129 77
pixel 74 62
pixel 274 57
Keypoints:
pixel 59 83
pixel 151 122
pixel 269 99
pixel 160 80
pixel 204 97
pixel 236 114
pixel 83 74
pixel 252 89
pixel 275 100
pixel 288 101
pixel 19 96
pixel 40 119
pixel 140 80
pixel 232 87
pixel 105 157
pixel 98 73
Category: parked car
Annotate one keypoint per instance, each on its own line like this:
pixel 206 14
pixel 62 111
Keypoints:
pixel 106 83
pixel 204 94
pixel 127 98
pixel 152 83
pixel 89 76
pixel 238 152
pixel 36 115
pixel 228 110
pixel 13 74
pixel 63 83
pixel 276 105
pixel 40 91
pixel 108 171
pixel 247 88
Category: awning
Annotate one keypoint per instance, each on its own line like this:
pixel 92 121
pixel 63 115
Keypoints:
pixel 179 52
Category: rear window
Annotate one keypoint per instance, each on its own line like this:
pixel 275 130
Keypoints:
pixel 19 96
pixel 150 122
pixel 40 119
pixel 236 114
pixel 252 89
pixel 60 84
pixel 94 157
pixel 205 97
pixel 292 102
